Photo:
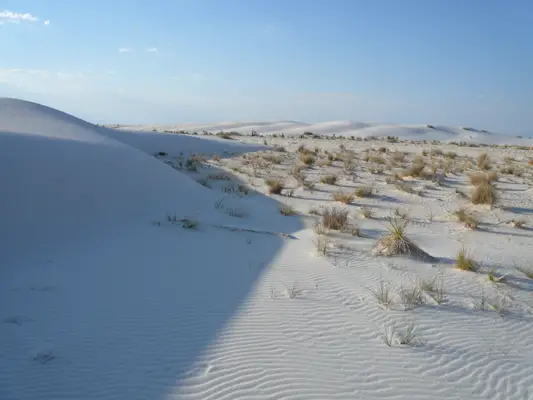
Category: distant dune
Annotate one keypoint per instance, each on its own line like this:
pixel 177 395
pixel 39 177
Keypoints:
pixel 349 128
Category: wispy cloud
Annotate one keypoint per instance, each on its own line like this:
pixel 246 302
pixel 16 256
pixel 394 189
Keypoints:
pixel 16 18
pixel 124 50
pixel 152 50
pixel 47 22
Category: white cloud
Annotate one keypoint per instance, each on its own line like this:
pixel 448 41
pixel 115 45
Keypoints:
pixel 152 50
pixel 47 22
pixel 16 18
pixel 124 50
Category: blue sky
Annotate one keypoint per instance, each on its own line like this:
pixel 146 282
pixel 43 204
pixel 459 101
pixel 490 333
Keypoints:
pixel 456 62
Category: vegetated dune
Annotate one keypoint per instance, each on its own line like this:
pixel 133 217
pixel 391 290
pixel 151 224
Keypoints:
pixel 103 297
pixel 350 128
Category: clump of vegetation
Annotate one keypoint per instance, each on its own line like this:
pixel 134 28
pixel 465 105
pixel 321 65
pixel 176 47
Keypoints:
pixel 483 193
pixel 478 178
pixel 383 294
pixel 364 191
pixel 530 163
pixel 377 160
pixel 451 155
pixel 287 210
pixel 395 242
pixel 345 198
pixel 322 243
pixel 275 186
pixel 334 218
pixel 329 179
pixel 307 159
pixel 492 176
pixel 466 218
pixel 417 170
pixel 465 263
pixel 483 161
pixel 366 212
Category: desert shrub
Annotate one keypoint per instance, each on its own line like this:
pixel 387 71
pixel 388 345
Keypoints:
pixel 345 198
pixel 334 218
pixel 307 159
pixel 364 191
pixel 530 163
pixel 377 160
pixel 329 179
pixel 483 161
pixel 470 221
pixel 450 154
pixel 483 193
pixel 478 178
pixel 436 152
pixel 492 176
pixel 275 186
pixel 464 262
pixel 287 210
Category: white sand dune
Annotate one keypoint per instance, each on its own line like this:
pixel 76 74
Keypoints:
pixel 101 297
pixel 349 128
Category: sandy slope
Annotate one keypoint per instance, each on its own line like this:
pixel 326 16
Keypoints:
pixel 347 128
pixel 102 297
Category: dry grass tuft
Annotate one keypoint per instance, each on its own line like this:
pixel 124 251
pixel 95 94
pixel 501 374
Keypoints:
pixel 335 219
pixel 395 242
pixel 329 179
pixel 465 263
pixel 469 221
pixel 417 170
pixel 275 186
pixel 483 193
pixel 530 162
pixel 345 198
pixel 478 178
pixel 365 191
pixel 287 211
pixel 483 161
pixel 307 159
pixel 492 176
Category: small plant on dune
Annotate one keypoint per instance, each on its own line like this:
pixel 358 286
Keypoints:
pixel 383 294
pixel 395 242
pixel 377 160
pixel 365 191
pixel 319 228
pixel 398 212
pixel 518 223
pixel 416 171
pixel 189 224
pixel 342 197
pixel 470 221
pixel 451 155
pixel 366 212
pixel 275 186
pixel 307 159
pixel 494 276
pixel 390 336
pixel 436 152
pixel 408 337
pixel 314 211
pixel 355 230
pixel 411 297
pixel 483 161
pixel 287 210
pixel 322 243
pixel 329 179
pixel 334 218
pixel 236 212
pixel 483 193
pixel 465 263
pixel 530 163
